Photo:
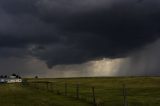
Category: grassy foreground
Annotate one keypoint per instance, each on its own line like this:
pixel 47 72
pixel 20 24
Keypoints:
pixel 16 95
pixel 140 91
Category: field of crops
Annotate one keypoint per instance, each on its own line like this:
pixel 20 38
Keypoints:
pixel 139 91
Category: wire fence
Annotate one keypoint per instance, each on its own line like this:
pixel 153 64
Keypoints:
pixel 82 92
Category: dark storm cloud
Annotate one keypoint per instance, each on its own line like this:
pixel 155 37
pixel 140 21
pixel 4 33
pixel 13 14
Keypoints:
pixel 70 32
pixel 19 6
pixel 25 41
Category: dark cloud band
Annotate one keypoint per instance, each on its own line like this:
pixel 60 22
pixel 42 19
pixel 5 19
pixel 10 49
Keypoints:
pixel 60 32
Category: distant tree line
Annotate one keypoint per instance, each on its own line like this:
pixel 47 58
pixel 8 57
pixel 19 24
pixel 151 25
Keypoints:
pixel 5 76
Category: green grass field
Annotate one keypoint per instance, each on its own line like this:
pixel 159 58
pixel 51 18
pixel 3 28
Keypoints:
pixel 16 95
pixel 141 91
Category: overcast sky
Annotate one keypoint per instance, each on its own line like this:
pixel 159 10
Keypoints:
pixel 69 38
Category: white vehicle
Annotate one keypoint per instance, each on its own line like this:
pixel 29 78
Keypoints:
pixel 2 80
pixel 10 79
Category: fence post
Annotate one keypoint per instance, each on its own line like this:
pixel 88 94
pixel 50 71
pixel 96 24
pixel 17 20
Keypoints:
pixel 124 95
pixel 65 89
pixel 57 90
pixel 77 91
pixel 51 87
pixel 94 98
pixel 47 86
pixel 35 85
